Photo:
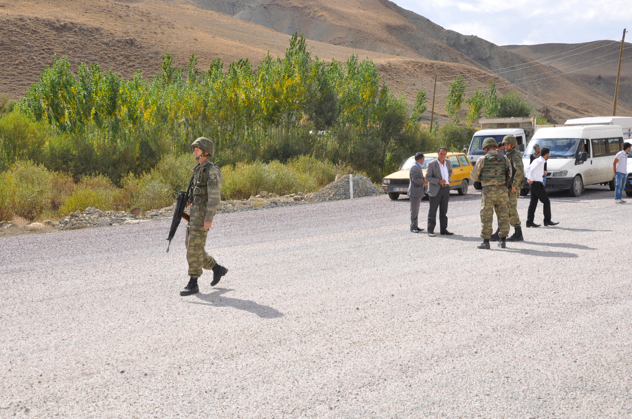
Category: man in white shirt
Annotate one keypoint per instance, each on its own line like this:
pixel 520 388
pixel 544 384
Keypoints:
pixel 620 167
pixel 535 177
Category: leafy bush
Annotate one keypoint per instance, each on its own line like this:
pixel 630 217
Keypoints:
pixel 92 191
pixel 153 193
pixel 22 139
pixel 26 190
pixel 244 180
pixel 124 198
pixel 454 137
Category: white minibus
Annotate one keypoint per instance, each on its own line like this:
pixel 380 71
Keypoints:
pixel 580 155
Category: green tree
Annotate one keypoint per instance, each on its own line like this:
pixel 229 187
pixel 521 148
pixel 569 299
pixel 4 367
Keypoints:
pixel 455 97
pixel 421 104
pixel 475 105
pixel 492 103
pixel 513 104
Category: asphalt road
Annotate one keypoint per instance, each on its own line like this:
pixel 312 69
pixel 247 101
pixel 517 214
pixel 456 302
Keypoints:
pixel 328 310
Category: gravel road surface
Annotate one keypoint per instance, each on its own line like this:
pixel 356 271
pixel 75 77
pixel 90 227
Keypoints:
pixel 329 310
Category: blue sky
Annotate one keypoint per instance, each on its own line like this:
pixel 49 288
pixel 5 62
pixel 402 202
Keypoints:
pixel 519 22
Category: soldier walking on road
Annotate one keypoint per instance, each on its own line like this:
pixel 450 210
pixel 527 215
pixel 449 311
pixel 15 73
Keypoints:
pixel 493 171
pixel 207 184
pixel 515 184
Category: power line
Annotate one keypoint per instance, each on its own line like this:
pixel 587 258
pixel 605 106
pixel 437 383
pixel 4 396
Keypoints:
pixel 534 63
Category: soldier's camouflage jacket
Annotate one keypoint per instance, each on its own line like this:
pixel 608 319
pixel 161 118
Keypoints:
pixel 517 169
pixel 207 185
pixel 493 169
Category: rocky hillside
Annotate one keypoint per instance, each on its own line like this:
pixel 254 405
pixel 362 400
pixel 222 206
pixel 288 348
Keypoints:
pixel 409 50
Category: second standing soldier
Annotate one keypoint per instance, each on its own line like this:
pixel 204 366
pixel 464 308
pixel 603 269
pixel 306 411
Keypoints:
pixel 493 171
pixel 514 185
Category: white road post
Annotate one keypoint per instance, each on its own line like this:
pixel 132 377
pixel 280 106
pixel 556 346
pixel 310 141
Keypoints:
pixel 350 186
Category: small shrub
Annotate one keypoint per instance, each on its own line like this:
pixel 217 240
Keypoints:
pixel 124 198
pixel 83 198
pixel 62 186
pixel 29 189
pixel 23 139
pixel 6 197
pixel 93 191
pixel 153 193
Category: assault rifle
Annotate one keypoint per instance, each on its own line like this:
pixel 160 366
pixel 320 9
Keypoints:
pixel 178 213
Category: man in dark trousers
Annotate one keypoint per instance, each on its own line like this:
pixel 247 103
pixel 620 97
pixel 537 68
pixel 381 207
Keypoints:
pixel 535 177
pixel 438 176
pixel 416 191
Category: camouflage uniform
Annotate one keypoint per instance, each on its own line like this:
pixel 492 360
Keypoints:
pixel 516 179
pixel 492 171
pixel 207 184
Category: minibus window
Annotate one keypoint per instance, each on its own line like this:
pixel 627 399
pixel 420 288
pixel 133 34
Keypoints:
pixel 599 148
pixel 614 145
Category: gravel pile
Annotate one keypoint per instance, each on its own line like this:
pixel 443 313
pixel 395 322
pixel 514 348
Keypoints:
pixel 362 186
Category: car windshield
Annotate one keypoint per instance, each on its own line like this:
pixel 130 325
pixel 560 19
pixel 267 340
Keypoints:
pixel 561 148
pixel 411 161
pixel 476 147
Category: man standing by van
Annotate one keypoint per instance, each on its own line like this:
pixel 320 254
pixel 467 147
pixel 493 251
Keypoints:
pixel 535 178
pixel 620 167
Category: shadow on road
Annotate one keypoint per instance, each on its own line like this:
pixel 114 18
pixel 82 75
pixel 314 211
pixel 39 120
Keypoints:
pixel 541 253
pixel 563 245
pixel 216 299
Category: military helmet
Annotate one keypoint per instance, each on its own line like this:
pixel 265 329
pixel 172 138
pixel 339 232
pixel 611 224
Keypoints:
pixel 489 142
pixel 204 144
pixel 510 139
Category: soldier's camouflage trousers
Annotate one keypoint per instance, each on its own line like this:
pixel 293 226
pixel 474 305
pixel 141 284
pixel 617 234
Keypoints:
pixel 512 209
pixel 196 254
pixel 494 199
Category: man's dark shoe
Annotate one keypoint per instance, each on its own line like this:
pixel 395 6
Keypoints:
pixel 416 230
pixel 191 288
pixel 484 245
pixel 550 223
pixel 446 233
pixel 530 224
pixel 494 237
pixel 218 272
pixel 502 243
pixel 517 236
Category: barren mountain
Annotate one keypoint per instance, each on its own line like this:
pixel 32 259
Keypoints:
pixel 595 63
pixel 409 50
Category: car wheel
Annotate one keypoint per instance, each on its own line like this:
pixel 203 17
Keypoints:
pixel 611 184
pixel 464 186
pixel 577 187
pixel 524 192
pixel 393 195
pixel 628 193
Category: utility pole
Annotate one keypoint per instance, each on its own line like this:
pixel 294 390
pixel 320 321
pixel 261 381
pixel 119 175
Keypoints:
pixel 433 101
pixel 616 90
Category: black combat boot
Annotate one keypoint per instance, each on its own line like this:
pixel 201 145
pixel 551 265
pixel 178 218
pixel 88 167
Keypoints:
pixel 494 237
pixel 191 288
pixel 218 272
pixel 502 243
pixel 517 236
pixel 484 245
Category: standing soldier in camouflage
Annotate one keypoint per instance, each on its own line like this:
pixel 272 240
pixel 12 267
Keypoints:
pixel 493 171
pixel 515 184
pixel 207 184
